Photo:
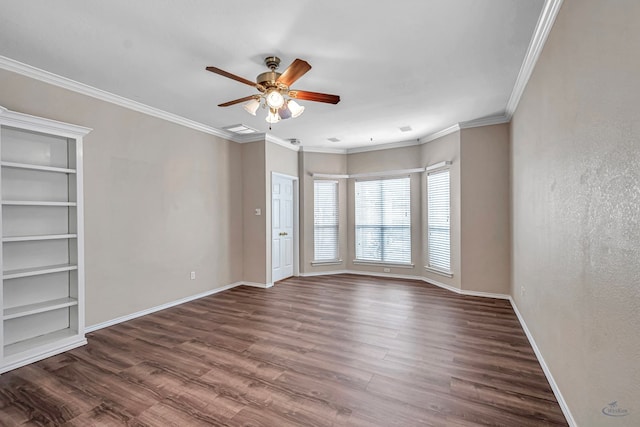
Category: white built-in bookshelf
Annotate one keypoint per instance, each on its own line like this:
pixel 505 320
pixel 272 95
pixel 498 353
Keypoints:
pixel 42 247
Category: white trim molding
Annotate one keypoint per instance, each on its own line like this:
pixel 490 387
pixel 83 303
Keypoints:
pixel 386 173
pixel 381 264
pixel 324 273
pixel 448 274
pixel 40 124
pixel 328 176
pixel 387 146
pixel 170 304
pixel 84 89
pixel 545 368
pixel 40 356
pixel 281 142
pixel 326 262
pixel 438 165
pixel 543 28
pixel 257 285
pixel 485 121
pixel 323 150
pixel 444 132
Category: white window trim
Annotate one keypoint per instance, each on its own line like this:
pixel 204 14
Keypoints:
pixel 439 271
pixel 326 262
pixel 383 263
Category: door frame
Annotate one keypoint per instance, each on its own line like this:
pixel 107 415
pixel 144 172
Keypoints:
pixel 296 224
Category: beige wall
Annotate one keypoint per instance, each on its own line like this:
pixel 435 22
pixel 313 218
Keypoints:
pixel 160 201
pixel 444 149
pixel 330 164
pixel 485 215
pixel 254 196
pixel 576 208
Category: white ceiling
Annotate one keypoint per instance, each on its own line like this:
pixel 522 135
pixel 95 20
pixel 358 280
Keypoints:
pixel 427 64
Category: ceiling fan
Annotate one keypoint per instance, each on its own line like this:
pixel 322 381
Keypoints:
pixel 275 92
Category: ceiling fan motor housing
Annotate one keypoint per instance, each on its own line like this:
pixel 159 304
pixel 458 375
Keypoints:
pixel 268 79
pixel 272 62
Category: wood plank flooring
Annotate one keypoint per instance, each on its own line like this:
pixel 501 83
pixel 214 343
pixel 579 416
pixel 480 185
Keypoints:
pixel 341 350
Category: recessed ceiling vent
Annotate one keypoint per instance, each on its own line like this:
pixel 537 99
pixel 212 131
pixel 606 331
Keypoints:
pixel 240 129
pixel 405 129
pixel 334 139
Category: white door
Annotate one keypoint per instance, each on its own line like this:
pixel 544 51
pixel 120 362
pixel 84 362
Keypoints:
pixel 281 227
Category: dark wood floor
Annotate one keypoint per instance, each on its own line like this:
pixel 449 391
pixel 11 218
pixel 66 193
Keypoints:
pixel 340 350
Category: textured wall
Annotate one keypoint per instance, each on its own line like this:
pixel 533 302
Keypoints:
pixel 576 208
pixel 160 201
pixel 254 196
pixel 485 216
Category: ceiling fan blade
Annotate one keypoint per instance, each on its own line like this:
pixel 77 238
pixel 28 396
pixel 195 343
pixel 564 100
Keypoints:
pixel 314 96
pixel 238 101
pixel 231 76
pixel 297 69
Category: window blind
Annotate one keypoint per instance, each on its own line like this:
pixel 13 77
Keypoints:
pixel 438 221
pixel 325 220
pixel 383 220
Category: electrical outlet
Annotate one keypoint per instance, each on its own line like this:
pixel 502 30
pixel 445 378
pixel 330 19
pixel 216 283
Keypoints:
pixel 193 275
pixel 387 270
pixel 521 290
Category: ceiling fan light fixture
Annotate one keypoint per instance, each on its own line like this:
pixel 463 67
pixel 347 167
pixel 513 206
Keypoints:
pixel 274 99
pixel 295 108
pixel 252 106
pixel 284 112
pixel 273 116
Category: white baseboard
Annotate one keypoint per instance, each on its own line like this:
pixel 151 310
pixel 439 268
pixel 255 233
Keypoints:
pixel 257 285
pixel 407 276
pixel 554 386
pixel 323 273
pixel 158 308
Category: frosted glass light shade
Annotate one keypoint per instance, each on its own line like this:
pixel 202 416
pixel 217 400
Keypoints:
pixel 274 99
pixel 295 108
pixel 284 112
pixel 273 116
pixel 252 106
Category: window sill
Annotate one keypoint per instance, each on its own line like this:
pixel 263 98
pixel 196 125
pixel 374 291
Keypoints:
pixel 327 262
pixel 440 272
pixel 382 264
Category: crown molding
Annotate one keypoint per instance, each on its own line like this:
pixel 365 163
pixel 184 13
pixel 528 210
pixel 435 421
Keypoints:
pixel 485 121
pixel 378 147
pixel 440 134
pixel 84 89
pixel 281 142
pixel 323 150
pixel 543 28
pixel 545 22
pixel 39 124
pixel 250 137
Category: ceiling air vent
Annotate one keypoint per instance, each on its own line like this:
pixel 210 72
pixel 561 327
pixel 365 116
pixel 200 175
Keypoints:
pixel 405 129
pixel 240 129
pixel 334 139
